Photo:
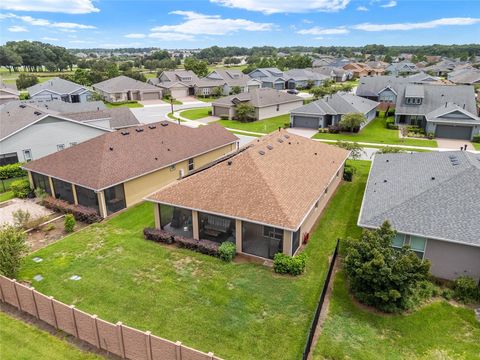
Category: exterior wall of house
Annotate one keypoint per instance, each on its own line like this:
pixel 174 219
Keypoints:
pixel 43 137
pixel 369 116
pixel 271 111
pixel 450 260
pixel 223 111
pixel 387 95
pixel 46 95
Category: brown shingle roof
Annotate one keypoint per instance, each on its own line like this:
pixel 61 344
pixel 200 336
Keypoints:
pixel 113 158
pixel 259 98
pixel 277 188
pixel 118 117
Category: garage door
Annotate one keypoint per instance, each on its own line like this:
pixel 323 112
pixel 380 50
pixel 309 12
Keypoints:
pixel 221 111
pixel 151 96
pixel 306 122
pixel 453 132
pixel 179 93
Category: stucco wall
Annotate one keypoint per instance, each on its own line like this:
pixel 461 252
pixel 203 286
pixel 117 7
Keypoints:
pixel 271 111
pixel 450 260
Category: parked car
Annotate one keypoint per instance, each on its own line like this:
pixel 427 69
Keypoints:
pixel 292 91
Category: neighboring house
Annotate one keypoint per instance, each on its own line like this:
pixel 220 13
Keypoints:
pixel 117 118
pixel 360 69
pixel 123 88
pixel 336 74
pixel 465 76
pixel 255 198
pixel 58 106
pixel 118 169
pixel 432 201
pixel 270 77
pixel 401 68
pixel 330 109
pixel 60 89
pixel 303 78
pixel 267 103
pixel 8 92
pixel 176 83
pixel 226 79
pixel 441 68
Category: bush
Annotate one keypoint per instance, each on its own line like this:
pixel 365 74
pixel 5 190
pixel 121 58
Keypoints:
pixel 348 172
pixel 11 171
pixel 80 213
pixel 69 223
pixel 227 251
pixel 293 265
pixel 40 193
pixel 158 235
pixel 423 291
pixel 21 218
pixel 466 290
pixel 12 250
pixel 48 227
pixel 476 138
pixel 430 135
pixel 447 294
pixel 20 188
pixel 390 124
pixel 334 129
pixel 224 117
pixel 206 247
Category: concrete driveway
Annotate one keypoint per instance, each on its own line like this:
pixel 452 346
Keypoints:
pixel 156 113
pixel 454 144
pixel 305 132
pixel 152 102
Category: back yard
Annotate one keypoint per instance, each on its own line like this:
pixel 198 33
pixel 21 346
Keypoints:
pixel 237 310
pixel 265 126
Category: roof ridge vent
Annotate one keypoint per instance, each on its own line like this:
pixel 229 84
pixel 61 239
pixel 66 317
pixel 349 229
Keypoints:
pixel 125 133
pixel 261 152
pixel 152 127
pixel 138 130
pixel 269 147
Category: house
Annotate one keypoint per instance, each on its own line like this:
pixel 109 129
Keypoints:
pixel 8 92
pixel 360 69
pixel 255 198
pixel 60 89
pixel 432 201
pixel 118 169
pixel 441 68
pixel 267 103
pixel 226 80
pixel 176 83
pixel 270 77
pixel 336 74
pixel 116 118
pixel 304 78
pixel 330 109
pixel 401 68
pixel 123 88
pixel 465 76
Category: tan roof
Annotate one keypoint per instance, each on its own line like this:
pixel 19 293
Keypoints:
pixel 259 98
pixel 113 158
pixel 277 188
pixel 118 117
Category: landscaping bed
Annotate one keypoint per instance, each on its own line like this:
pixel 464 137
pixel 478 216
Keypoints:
pixel 265 126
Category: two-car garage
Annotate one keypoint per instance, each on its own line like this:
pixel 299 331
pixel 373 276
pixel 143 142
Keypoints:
pixel 305 121
pixel 454 132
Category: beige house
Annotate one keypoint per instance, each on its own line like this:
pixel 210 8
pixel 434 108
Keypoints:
pixel 117 170
pixel 8 93
pixel 123 88
pixel 265 198
pixel 266 101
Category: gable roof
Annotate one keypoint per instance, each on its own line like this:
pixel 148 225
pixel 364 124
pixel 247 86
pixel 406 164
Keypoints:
pixel 260 97
pixel 56 85
pixel 339 103
pixel 441 114
pixel 113 158
pixel 10 88
pixel 266 188
pixel 178 75
pixel 305 74
pixel 59 106
pixel 435 195
pixel 117 117
pixel 123 84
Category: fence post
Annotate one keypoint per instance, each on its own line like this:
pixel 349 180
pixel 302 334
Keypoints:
pixel 148 344
pixel 120 338
pixel 16 293
pixel 95 331
pixel 178 350
pixel 53 312
pixel 32 289
pixel 72 308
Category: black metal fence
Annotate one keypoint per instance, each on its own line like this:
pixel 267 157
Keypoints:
pixel 313 325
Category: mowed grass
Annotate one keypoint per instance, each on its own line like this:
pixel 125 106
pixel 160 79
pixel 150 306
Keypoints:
pixel 21 341
pixel 195 114
pixel 129 105
pixel 237 310
pixel 476 146
pixel 376 132
pixel 265 126
pixel 6 196
pixel 436 331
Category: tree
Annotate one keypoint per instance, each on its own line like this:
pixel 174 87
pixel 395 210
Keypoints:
pixel 26 80
pixel 128 65
pixel 356 151
pixel 137 75
pixel 12 250
pixel 199 67
pixel 217 91
pixel 244 112
pixel 387 59
pixel 380 275
pixel 236 90
pixel 352 121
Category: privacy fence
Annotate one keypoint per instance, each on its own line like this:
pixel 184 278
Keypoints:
pixel 321 300
pixel 118 339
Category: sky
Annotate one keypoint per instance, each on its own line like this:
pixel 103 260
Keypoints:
pixel 202 23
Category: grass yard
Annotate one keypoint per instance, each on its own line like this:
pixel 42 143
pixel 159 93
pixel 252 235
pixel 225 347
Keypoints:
pixel 265 126
pixel 6 196
pixel 376 132
pixel 195 114
pixel 237 310
pixel 476 146
pixel 206 99
pixel 21 341
pixel 5 184
pixel 124 104
pixel 436 331
pixel 173 117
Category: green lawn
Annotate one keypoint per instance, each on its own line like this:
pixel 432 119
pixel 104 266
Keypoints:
pixel 206 99
pixel 5 184
pixel 376 132
pixel 129 105
pixel 436 331
pixel 237 310
pixel 21 341
pixel 195 114
pixel 173 117
pixel 6 196
pixel 265 126
pixel 476 146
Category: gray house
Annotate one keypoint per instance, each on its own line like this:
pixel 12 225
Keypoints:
pixel 330 109
pixel 60 89
pixel 124 88
pixel 467 76
pixel 8 92
pixel 176 83
pixel 433 201
pixel 302 78
pixel 403 67
pixel 270 77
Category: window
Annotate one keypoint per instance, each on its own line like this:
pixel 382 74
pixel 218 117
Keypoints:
pixel 60 147
pixel 272 233
pixel 176 220
pixel 10 158
pixel 191 164
pixel 398 241
pixel 27 155
pixel 278 107
pixel 263 241
pixel 63 190
pixel 87 198
pixel 417 244
pixel 295 241
pixel 172 167
pixel 114 199
pixel 41 181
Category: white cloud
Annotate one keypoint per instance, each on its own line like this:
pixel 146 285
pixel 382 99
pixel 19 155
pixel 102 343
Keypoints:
pixel 43 22
pixel 79 42
pixel 56 6
pixel 135 36
pixel 285 6
pixel 390 4
pixel 16 28
pixel 324 31
pixel 362 8
pixel 196 24
pixel 46 38
pixel 416 26
pixel 68 30
pixel 306 21
pixel 169 36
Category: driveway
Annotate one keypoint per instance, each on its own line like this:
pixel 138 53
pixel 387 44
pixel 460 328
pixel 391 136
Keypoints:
pixel 454 144
pixel 156 113
pixel 305 132
pixel 152 102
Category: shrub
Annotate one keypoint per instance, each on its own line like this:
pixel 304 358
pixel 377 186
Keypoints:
pixel 11 171
pixel 12 250
pixel 21 218
pixel 40 193
pixel 390 124
pixel 293 265
pixel 447 294
pixel 466 290
pixel 476 138
pixel 348 172
pixel 48 227
pixel 69 223
pixel 206 247
pixel 422 292
pixel 80 213
pixel 158 235
pixel 20 188
pixel 227 251
pixel 334 129
pixel 430 135
pixel 224 117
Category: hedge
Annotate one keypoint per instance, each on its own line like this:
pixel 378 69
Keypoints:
pixel 11 171
pixel 20 188
pixel 79 212
pixel 158 235
pixel 293 265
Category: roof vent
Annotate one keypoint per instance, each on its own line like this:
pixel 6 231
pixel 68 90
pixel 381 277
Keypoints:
pixel 261 152
pixel 287 136
pixel 385 180
pixel 280 141
pixel 433 178
pixel 315 153
pixel 229 162
pixel 111 148
pixel 156 158
pixel 139 130
pixel 269 147
pixel 152 127
pixel 387 160
pixel 168 149
pixel 125 133
pixel 164 123
pixel 37 113
pixel 23 106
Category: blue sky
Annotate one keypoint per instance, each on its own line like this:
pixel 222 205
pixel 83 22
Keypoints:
pixel 202 23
